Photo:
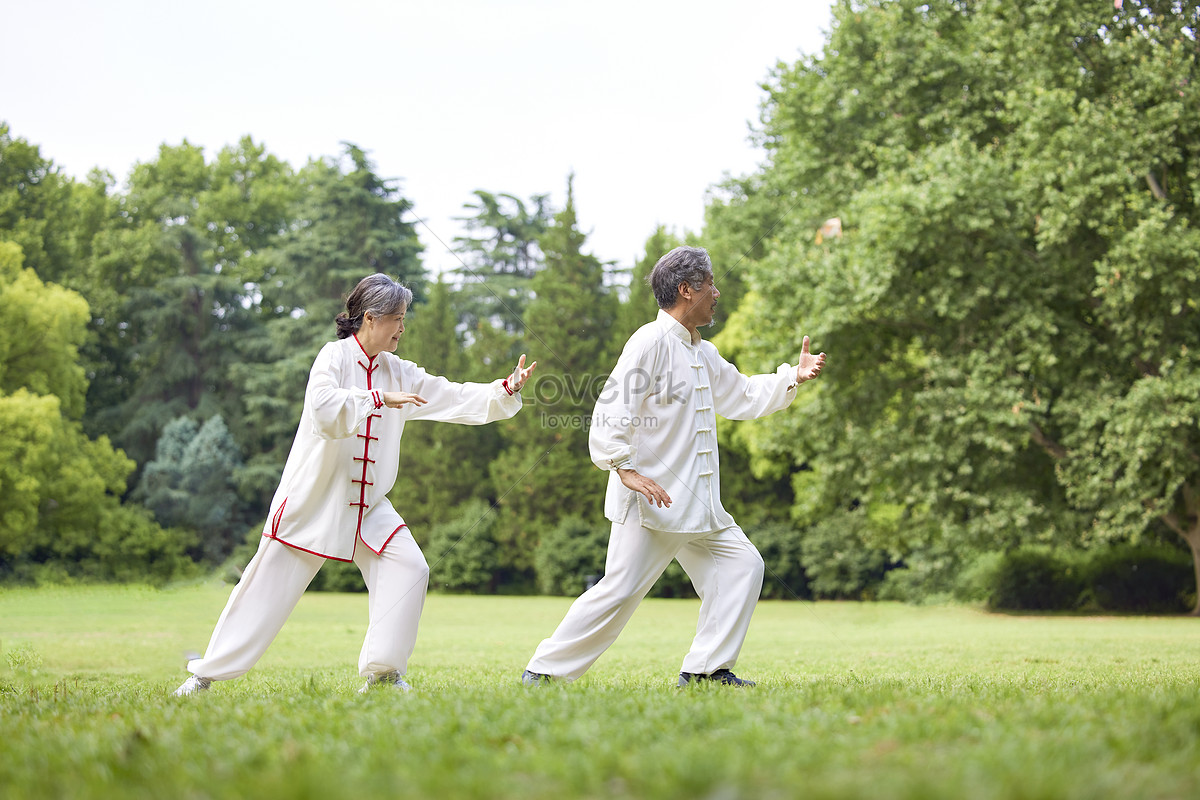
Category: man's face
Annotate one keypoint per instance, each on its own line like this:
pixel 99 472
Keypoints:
pixel 702 303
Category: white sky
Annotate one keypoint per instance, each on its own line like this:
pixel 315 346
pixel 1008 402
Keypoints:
pixel 649 102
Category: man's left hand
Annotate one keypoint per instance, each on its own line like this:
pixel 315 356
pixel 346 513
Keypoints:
pixel 810 365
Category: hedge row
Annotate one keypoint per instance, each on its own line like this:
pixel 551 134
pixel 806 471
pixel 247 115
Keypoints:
pixel 1126 578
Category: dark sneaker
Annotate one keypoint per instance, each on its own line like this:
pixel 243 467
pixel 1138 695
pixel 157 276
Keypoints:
pixel 535 678
pixel 721 676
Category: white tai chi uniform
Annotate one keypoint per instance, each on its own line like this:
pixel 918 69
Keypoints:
pixel 657 415
pixel 332 504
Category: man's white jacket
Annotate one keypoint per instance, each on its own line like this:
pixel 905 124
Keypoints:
pixel 657 415
pixel 346 454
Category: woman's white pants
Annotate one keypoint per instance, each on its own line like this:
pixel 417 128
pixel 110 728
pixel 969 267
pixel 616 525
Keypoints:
pixel 277 576
pixel 724 566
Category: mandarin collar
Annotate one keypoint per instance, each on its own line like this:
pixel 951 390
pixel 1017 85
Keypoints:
pixel 676 328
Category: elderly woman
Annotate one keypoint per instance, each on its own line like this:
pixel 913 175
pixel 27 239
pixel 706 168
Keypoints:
pixel 332 499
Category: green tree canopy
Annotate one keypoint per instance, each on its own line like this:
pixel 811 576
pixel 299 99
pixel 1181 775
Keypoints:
pixel 1013 273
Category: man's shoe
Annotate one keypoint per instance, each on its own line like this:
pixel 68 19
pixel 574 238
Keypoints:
pixel 535 679
pixel 392 679
pixel 721 676
pixel 193 685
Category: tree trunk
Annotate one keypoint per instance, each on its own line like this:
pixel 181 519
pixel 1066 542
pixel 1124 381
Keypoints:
pixel 1187 525
pixel 1194 540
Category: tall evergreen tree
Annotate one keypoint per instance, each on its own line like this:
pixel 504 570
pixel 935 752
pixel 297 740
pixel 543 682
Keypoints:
pixel 640 307
pixel 500 257
pixel 544 472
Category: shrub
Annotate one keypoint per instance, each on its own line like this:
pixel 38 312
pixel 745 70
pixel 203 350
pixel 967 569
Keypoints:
pixel 779 545
pixel 568 554
pixel 462 553
pixel 1034 578
pixel 838 562
pixel 1139 578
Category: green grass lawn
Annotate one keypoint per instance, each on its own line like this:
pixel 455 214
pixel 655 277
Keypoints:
pixel 854 700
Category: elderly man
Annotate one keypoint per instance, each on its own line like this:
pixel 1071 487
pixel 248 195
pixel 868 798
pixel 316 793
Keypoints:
pixel 654 428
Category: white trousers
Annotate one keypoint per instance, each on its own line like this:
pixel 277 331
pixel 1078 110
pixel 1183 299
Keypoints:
pixel 724 566
pixel 275 579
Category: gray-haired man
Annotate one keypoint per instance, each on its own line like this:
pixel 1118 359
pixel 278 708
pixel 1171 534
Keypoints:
pixel 654 428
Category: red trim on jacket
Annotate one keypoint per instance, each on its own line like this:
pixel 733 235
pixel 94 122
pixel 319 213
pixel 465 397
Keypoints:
pixel 367 438
pixel 315 553
pixel 388 541
pixel 278 516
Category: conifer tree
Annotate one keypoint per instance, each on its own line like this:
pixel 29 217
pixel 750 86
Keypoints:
pixel 544 472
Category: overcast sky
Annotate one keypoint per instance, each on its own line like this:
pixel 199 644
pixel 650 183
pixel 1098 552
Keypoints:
pixel 649 103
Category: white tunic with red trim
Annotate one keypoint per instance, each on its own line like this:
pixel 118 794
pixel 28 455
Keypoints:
pixel 346 454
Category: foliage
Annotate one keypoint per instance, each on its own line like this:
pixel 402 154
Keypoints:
pixel 1006 302
pixel 1138 579
pixel 544 474
pixel 35 201
pixel 62 514
pixel 1035 578
pixel 780 547
pixel 190 484
pixel 838 562
pixel 42 326
pixel 570 554
pixel 462 553
pixel 499 259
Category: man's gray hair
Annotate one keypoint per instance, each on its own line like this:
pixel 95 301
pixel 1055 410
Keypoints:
pixel 690 265
pixel 377 294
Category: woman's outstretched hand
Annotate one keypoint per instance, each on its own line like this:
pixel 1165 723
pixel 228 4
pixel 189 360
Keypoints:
pixel 520 374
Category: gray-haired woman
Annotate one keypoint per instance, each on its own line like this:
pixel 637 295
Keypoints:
pixel 332 499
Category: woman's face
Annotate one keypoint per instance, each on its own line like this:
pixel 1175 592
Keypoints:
pixel 380 333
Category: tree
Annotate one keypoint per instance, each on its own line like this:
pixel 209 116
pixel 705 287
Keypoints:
pixel 640 306
pixel 500 258
pixel 61 513
pixel 35 201
pixel 1014 277
pixel 544 472
pixel 43 328
pixel 177 284
pixel 190 485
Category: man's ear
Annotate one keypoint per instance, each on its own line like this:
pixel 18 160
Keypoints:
pixel 685 290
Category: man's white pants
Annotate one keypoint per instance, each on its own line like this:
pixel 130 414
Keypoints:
pixel 724 566
pixel 275 579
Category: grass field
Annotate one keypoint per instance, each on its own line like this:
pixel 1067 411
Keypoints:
pixel 854 700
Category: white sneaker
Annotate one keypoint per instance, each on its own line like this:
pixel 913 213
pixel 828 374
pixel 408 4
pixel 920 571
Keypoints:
pixel 392 679
pixel 193 685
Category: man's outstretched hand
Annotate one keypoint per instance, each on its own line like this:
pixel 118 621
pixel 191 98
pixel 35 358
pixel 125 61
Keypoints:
pixel 810 365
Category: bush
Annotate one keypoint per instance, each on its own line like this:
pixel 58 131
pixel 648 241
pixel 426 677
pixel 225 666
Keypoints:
pixel 568 554
pixel 463 555
pixel 838 562
pixel 1034 578
pixel 673 583
pixel 779 545
pixel 1139 578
